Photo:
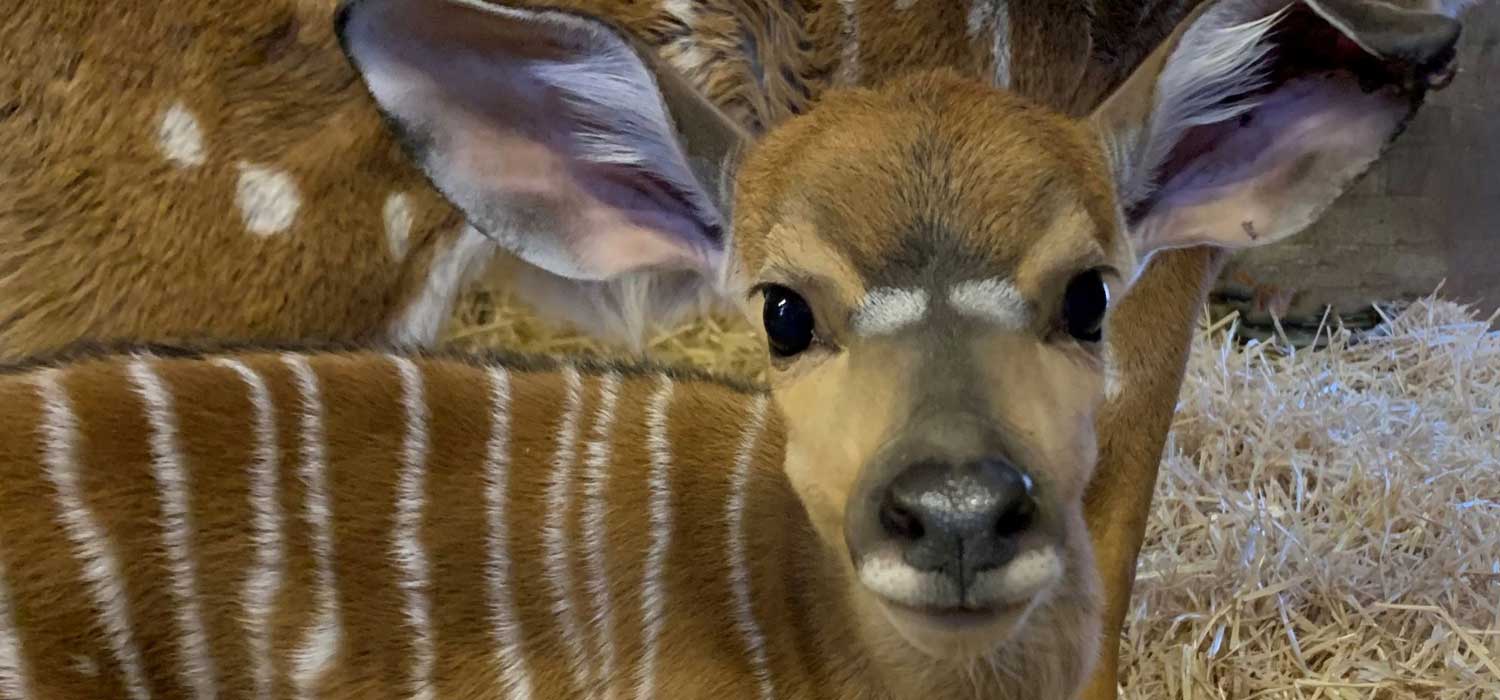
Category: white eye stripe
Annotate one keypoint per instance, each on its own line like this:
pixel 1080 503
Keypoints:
pixel 886 310
pixel 996 300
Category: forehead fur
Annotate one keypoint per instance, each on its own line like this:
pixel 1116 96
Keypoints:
pixel 932 175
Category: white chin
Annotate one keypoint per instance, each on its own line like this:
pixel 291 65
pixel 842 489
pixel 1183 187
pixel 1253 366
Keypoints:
pixel 957 634
pixel 929 611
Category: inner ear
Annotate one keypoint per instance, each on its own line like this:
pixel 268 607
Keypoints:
pixel 1334 82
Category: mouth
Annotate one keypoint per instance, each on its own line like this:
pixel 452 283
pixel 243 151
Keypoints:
pixel 956 618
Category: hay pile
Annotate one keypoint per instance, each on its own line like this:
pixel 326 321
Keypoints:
pixel 1327 523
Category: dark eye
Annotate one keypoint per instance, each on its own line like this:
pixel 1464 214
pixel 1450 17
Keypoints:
pixel 1084 304
pixel 789 321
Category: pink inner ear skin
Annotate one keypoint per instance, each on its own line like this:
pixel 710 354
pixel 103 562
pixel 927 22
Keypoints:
pixel 602 221
pixel 1267 175
pixel 621 227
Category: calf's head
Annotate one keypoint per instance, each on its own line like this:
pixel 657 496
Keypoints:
pixel 932 262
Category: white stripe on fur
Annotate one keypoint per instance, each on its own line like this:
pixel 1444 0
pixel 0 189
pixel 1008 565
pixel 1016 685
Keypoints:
pixel 264 581
pixel 597 459
pixel 172 488
pixel 101 566
pixel 739 568
pixel 406 545
pixel 559 572
pixel 505 626
pixel 316 653
pixel 13 682
pixel 653 593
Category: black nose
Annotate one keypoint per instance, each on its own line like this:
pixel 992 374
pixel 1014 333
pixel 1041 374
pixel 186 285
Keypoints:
pixel 958 520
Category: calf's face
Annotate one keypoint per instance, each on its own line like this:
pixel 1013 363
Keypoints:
pixel 931 264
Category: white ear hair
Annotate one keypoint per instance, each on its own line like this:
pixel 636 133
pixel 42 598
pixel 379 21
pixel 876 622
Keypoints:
pixel 1220 57
pixel 611 86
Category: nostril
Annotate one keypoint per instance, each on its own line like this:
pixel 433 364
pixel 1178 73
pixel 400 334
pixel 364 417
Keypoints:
pixel 900 522
pixel 1017 518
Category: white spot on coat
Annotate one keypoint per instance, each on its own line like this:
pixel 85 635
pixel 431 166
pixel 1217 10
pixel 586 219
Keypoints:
pixel 180 137
pixel 268 199
pixel 398 222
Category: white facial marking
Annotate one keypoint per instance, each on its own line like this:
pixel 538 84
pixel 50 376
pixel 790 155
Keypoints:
pixel 739 569
pixel 180 137
pixel 505 626
pixel 398 221
pixel 13 682
pixel 849 68
pixel 268 199
pixel 321 643
pixel 653 595
pixel 422 319
pixel 886 310
pixel 407 546
pixel 895 580
pixel 172 488
pixel 559 571
pixel 1019 581
pixel 995 300
pixel 101 566
pixel 597 457
pixel 263 582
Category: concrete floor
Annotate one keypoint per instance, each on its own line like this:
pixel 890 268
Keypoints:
pixel 1427 213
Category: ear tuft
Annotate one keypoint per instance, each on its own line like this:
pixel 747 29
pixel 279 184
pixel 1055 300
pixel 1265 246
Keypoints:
pixel 1215 70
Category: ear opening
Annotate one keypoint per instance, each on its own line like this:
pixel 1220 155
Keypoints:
pixel 1257 114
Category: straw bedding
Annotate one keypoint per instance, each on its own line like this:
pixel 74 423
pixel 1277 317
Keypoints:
pixel 1327 522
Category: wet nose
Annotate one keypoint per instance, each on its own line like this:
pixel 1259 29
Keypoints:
pixel 958 521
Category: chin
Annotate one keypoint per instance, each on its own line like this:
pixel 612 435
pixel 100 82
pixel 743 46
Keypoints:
pixel 959 634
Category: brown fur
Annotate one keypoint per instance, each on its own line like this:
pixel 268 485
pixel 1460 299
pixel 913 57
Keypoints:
pixel 103 238
pixel 798 51
pixel 820 642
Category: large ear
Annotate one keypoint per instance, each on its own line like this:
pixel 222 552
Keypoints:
pixel 552 132
pixel 1255 115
